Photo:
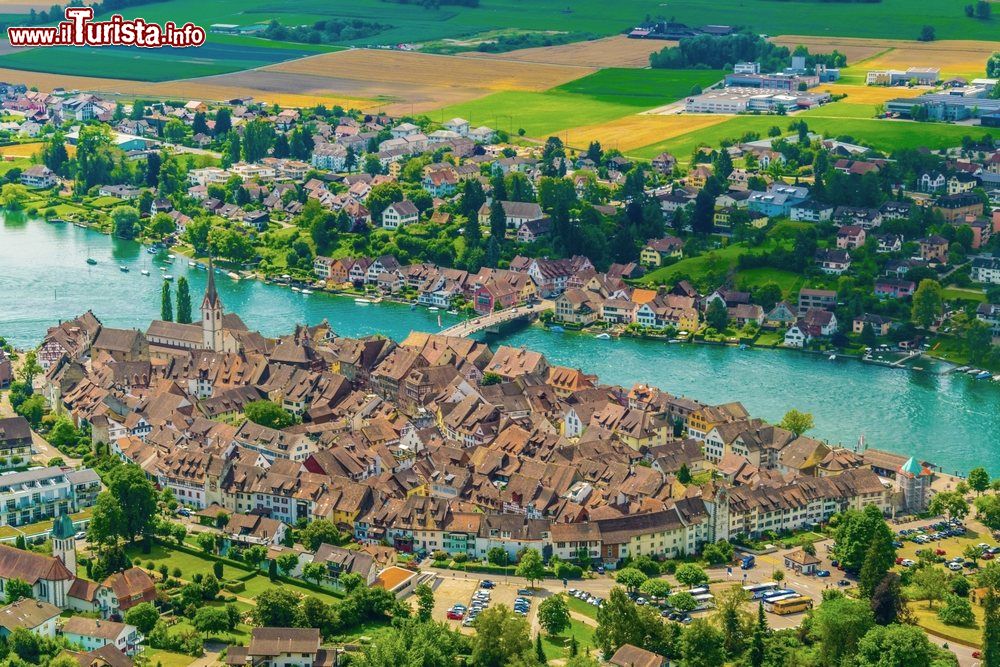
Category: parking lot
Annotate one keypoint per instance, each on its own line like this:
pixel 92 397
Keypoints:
pixel 459 599
pixel 948 540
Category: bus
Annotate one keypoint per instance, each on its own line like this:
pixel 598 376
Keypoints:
pixel 698 590
pixel 704 601
pixel 776 593
pixel 757 591
pixel 770 602
pixel 792 605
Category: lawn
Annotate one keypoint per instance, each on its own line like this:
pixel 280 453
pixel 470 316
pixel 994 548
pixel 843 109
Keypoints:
pixel 189 564
pixel 581 607
pixel 261 583
pixel 644 88
pixel 715 263
pixel 886 135
pixel 928 619
pixel 166 658
pixel 789 281
pixel 538 114
pixel 557 647
pixel 956 293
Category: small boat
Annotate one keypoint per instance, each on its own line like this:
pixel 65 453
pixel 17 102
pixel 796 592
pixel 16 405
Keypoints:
pixel 377 299
pixel 91 261
pixel 603 336
pixel 123 268
pixel 296 289
pixel 961 369
pixel 674 340
pixel 832 357
pixel 743 346
pixel 152 250
pixel 307 291
pixel 80 225
pixel 439 321
pixel 144 272
pixel 163 269
pixel 453 312
pixel 413 306
pixel 203 267
pixel 973 371
pixel 57 220
pixel 361 301
pixel 433 309
pixel 170 258
pixel 233 275
pixel 982 375
pixel 557 329
pixel 168 277
pixel 192 264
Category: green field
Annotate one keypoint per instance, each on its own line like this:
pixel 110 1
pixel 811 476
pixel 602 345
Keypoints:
pixel 538 114
pixel 882 134
pixel 643 88
pixel 789 282
pixel 719 261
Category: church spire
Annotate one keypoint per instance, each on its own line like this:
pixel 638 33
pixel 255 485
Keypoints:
pixel 211 296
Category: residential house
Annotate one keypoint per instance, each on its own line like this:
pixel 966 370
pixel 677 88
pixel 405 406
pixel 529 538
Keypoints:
pixel 399 214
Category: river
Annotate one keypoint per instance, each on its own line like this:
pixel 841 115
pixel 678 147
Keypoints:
pixel 951 420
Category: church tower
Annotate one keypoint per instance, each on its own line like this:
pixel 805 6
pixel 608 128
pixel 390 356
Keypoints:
pixel 211 315
pixel 64 542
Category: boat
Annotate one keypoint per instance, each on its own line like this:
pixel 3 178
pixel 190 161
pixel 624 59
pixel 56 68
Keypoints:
pixel 742 346
pixel 439 321
pixel 170 258
pixel 295 289
pixel 453 312
pixel 832 357
pixel 144 272
pixel 377 299
pixel 123 268
pixel 152 250
pixel 413 306
pixel 233 275
pixel 80 225
pixel 56 220
pixel 307 291
pixel 982 375
pixel 557 329
pixel 168 277
pixel 91 261
pixel 961 369
pixel 191 264
pixel 361 301
pixel 433 309
pixel 973 371
pixel 603 336
pixel 674 340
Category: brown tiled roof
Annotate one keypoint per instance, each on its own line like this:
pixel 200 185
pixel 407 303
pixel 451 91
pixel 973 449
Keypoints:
pixel 31 567
pixel 275 641
pixel 93 627
pixel 27 613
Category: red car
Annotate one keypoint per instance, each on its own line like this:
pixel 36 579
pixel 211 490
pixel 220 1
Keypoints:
pixel 455 615
pixel 987 556
pixel 939 552
pixel 977 655
pixel 899 561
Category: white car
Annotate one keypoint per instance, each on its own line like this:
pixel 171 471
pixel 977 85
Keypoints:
pixel 955 567
pixel 907 563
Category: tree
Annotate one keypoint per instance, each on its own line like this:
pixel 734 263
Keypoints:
pixel 887 602
pixel 717 315
pixel 929 583
pixel 978 340
pixel 684 474
pixel 268 413
pixel 683 602
pixel 137 498
pixel 895 646
pixel 631 579
pixel 276 607
pixel 758 642
pixel 166 305
pixel 926 34
pixel 988 511
pixel 143 616
pixel 183 301
pixel 973 553
pixel 657 588
pixel 797 422
pixel 29 368
pixel 839 625
pixel 206 541
pixel 258 137
pixel 691 575
pixel 991 628
pixel 18 589
pixel 287 563
pixel 425 601
pixel 211 620
pixel 501 638
pixel 320 531
pixel 956 611
pixel 531 567
pixel 701 645
pixel 855 533
pixel 126 221
pixel 314 571
pixel 979 479
pixel 223 121
pixel 951 503
pixel 732 619
pixel 107 521
pixel 412 642
pixel 617 623
pixel 879 559
pixel 927 303
pixel 553 614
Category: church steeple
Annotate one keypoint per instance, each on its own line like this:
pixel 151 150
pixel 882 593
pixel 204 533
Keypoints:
pixel 211 314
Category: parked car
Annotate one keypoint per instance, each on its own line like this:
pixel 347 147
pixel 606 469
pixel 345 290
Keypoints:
pixel 843 582
pixel 954 567
pixel 525 591
pixel 454 615
pixel 486 583
pixel 822 573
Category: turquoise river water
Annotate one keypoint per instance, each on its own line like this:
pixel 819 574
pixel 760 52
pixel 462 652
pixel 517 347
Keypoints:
pixel 951 420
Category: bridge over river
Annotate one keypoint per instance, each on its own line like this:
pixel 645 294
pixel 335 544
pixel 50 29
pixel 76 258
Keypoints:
pixel 493 321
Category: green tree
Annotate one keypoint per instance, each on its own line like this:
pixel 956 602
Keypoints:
pixel 928 303
pixel 425 601
pixel 276 608
pixel 166 304
pixel 531 567
pixel 320 531
pixel 29 368
pixel 107 520
pixel 887 602
pixel 137 498
pixel 691 575
pixel 126 221
pixel 18 589
pixel 258 137
pixel 895 646
pixel 838 625
pixel 979 479
pixel 929 583
pixel 956 611
pixel 683 602
pixel 183 301
pixel 701 645
pixel 255 555
pixel 797 422
pixel 143 616
pixel 951 503
pixel 617 623
pixel 501 638
pixel 631 579
pixel 717 316
pixel 553 614
pixel 879 559
pixel 268 413
pixel 287 562
pixel 758 642
pixel 206 541
pixel 988 510
pixel 211 620
pixel 855 532
pixel 314 571
pixel 657 588
pixel 991 628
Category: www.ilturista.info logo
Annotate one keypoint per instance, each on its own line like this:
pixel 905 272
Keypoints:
pixel 79 29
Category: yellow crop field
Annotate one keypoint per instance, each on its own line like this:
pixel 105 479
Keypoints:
pixel 20 150
pixel 617 51
pixel 868 94
pixel 637 131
